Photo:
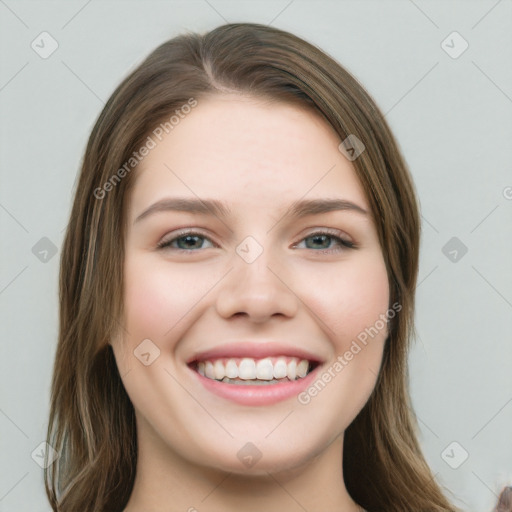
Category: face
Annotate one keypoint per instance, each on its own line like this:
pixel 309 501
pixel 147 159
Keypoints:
pixel 250 288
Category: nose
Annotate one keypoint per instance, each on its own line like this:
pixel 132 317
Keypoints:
pixel 258 290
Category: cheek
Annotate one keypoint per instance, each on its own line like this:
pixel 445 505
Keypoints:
pixel 352 310
pixel 352 299
pixel 156 298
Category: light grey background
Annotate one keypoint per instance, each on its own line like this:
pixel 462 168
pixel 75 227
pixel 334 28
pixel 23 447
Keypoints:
pixel 453 120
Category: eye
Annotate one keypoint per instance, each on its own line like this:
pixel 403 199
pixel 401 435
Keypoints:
pixel 187 241
pixel 324 237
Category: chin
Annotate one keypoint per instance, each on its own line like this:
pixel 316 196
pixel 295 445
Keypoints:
pixel 257 458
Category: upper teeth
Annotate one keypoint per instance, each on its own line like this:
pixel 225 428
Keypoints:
pixel 248 368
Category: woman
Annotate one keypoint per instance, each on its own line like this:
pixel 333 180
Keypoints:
pixel 211 356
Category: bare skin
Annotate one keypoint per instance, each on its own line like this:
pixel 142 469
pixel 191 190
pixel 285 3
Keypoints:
pixel 301 290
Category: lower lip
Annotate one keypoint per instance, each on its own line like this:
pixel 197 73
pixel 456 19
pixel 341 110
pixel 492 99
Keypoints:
pixel 246 394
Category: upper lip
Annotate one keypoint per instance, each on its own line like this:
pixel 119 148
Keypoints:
pixel 254 350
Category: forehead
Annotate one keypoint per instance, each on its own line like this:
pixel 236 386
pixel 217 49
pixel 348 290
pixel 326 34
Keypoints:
pixel 248 152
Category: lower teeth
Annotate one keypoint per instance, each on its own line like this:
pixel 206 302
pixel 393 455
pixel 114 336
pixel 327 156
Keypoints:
pixel 254 381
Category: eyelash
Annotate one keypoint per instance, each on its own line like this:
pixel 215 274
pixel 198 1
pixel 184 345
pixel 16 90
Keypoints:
pixel 345 244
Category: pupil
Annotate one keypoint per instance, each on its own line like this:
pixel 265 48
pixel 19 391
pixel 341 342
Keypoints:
pixel 319 237
pixel 189 238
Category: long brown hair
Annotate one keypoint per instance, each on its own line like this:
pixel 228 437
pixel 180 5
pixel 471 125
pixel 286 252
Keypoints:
pixel 92 422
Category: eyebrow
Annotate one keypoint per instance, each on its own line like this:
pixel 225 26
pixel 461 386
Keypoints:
pixel 298 209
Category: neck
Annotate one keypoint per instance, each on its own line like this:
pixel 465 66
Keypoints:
pixel 166 482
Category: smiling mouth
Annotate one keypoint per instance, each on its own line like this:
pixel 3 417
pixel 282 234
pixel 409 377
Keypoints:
pixel 254 372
